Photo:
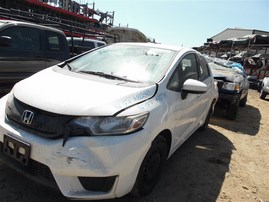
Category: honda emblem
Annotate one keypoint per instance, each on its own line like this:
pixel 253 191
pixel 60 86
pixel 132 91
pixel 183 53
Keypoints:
pixel 27 117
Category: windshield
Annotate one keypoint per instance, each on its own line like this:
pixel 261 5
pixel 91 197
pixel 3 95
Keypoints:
pixel 131 62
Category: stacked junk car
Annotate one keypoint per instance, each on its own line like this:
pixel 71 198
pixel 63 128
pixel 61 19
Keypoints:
pixel 247 56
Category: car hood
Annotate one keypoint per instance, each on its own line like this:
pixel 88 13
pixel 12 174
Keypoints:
pixel 227 75
pixel 63 92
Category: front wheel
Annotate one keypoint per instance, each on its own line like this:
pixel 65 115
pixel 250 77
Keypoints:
pixel 259 86
pixel 151 167
pixel 232 110
pixel 205 125
pixel 262 94
pixel 243 102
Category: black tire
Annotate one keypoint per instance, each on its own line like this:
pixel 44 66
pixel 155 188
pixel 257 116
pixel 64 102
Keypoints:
pixel 259 86
pixel 262 94
pixel 150 168
pixel 232 110
pixel 205 125
pixel 243 102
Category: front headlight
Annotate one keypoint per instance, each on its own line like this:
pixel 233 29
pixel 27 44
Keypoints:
pixel 231 86
pixel 111 125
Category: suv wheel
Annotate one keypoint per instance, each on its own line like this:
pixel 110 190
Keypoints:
pixel 262 94
pixel 232 110
pixel 243 102
pixel 259 86
pixel 151 167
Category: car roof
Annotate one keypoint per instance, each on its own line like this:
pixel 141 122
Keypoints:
pixel 28 24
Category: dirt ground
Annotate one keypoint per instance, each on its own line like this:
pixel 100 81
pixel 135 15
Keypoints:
pixel 228 162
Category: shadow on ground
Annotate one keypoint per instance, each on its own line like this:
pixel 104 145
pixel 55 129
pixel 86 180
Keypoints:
pixel 247 121
pixel 195 172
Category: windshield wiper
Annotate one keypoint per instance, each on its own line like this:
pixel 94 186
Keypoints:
pixel 65 64
pixel 69 66
pixel 109 76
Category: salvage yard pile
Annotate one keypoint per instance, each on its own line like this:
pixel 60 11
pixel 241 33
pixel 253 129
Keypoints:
pixel 227 162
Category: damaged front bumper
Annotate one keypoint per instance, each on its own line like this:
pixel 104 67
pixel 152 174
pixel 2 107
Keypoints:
pixel 227 98
pixel 85 168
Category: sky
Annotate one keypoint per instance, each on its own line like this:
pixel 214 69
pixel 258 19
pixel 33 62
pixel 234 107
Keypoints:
pixel 186 22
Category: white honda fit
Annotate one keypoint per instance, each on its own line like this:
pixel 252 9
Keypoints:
pixel 101 125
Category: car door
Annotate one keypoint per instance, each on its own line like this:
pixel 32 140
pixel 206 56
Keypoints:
pixel 184 113
pixel 23 57
pixel 205 77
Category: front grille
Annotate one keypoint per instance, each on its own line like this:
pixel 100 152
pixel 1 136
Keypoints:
pixel 41 170
pixel 46 124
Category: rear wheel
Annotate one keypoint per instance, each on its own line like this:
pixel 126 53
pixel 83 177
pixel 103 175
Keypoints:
pixel 151 167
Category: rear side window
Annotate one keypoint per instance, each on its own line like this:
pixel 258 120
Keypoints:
pixel 54 41
pixel 23 38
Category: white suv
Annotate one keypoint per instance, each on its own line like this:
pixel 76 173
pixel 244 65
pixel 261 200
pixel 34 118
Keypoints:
pixel 78 45
pixel 101 125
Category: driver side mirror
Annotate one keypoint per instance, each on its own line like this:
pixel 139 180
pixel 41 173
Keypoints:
pixel 193 86
pixel 5 41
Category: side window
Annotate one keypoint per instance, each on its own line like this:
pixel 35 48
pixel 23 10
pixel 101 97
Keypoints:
pixel 186 69
pixel 203 68
pixel 23 38
pixel 54 41
pixel 100 44
pixel 175 83
pixel 189 65
pixel 89 44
